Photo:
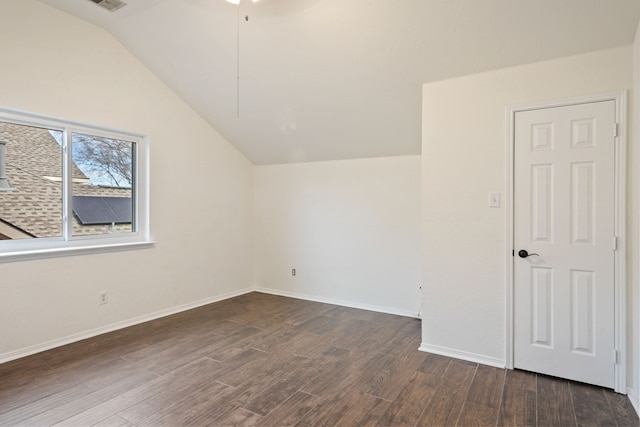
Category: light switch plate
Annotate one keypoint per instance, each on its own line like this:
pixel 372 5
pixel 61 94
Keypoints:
pixel 494 199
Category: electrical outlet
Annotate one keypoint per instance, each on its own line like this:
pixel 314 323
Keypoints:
pixel 103 297
pixel 293 271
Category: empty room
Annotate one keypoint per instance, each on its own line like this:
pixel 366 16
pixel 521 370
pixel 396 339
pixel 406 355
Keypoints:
pixel 262 213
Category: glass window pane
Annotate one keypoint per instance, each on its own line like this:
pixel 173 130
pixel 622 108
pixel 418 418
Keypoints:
pixel 103 183
pixel 30 182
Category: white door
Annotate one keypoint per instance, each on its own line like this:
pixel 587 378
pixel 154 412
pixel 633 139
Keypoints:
pixel 564 213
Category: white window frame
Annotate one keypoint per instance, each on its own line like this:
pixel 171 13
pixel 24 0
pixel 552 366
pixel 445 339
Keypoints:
pixel 67 244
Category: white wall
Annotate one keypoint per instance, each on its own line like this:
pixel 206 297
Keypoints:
pixel 463 159
pixel 633 228
pixel 201 187
pixel 350 228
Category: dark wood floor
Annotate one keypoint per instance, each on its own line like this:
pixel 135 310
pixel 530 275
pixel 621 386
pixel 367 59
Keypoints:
pixel 271 361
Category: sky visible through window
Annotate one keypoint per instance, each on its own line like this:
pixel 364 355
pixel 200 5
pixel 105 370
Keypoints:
pixel 105 161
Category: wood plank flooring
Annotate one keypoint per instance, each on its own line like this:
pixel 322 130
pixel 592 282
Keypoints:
pixel 264 360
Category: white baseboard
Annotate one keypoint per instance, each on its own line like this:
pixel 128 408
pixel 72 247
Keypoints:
pixel 350 304
pixel 463 355
pixel 28 351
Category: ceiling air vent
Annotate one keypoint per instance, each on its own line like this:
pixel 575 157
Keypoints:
pixel 111 5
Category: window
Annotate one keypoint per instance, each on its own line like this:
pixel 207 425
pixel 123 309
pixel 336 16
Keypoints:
pixel 66 187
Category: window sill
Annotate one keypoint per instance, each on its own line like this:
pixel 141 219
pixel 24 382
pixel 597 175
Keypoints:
pixel 31 254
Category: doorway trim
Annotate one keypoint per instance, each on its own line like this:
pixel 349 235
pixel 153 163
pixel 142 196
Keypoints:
pixel 620 156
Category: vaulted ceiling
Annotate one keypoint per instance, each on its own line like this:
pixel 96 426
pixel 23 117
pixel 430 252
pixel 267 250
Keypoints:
pixel 306 80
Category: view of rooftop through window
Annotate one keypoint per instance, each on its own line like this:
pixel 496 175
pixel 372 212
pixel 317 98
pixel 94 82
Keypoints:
pixel 32 196
pixel 31 202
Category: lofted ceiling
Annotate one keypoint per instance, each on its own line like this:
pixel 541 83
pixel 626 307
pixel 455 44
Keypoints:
pixel 306 80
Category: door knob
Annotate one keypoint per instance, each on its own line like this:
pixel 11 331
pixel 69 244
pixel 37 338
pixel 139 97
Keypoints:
pixel 522 253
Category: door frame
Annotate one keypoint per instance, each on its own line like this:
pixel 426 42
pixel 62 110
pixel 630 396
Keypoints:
pixel 620 293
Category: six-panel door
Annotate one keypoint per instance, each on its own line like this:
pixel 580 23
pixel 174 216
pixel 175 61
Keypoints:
pixel 564 213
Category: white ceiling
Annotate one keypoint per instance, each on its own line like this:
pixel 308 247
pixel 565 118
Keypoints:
pixel 339 79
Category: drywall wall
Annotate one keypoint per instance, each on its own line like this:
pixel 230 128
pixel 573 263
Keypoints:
pixel 350 228
pixel 463 159
pixel 201 188
pixel 633 234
